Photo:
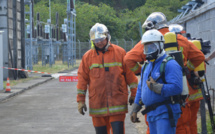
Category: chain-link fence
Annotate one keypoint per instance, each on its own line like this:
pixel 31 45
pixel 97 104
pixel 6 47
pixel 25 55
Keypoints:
pixel 83 47
pixel 41 51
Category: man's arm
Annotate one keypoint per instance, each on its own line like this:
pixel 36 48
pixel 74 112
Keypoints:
pixel 131 80
pixel 83 79
pixel 195 55
pixel 173 77
pixel 211 56
pixel 133 57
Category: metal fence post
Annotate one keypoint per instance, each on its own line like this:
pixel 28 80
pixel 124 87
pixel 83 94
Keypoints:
pixel 117 42
pixel 125 44
pixel 1 61
pixel 79 49
pixel 131 43
pixel 89 44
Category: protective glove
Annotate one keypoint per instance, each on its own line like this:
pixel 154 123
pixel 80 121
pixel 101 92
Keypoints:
pixel 134 118
pixel 136 108
pixel 82 107
pixel 131 100
pixel 154 86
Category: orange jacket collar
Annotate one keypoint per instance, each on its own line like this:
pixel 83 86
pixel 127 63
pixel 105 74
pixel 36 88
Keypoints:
pixel 164 30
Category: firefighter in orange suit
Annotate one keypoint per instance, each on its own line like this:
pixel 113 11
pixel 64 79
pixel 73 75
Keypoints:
pixel 103 72
pixel 194 90
pixel 157 20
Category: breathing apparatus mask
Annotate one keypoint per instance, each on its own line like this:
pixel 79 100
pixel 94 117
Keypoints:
pixel 151 50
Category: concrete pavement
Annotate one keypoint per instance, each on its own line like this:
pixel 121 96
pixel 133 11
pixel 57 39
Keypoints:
pixel 20 88
pixel 36 81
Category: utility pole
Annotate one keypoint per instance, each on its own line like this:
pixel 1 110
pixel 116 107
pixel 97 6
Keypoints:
pixel 14 64
pixel 50 38
pixel 1 61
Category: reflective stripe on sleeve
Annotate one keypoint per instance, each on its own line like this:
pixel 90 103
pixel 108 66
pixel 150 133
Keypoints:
pixel 80 91
pixel 182 49
pixel 190 65
pixel 196 95
pixel 135 68
pixel 133 85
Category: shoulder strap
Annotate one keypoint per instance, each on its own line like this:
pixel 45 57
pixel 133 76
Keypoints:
pixel 144 68
pixel 162 68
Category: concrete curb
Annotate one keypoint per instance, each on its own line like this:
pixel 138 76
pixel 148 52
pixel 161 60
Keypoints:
pixel 16 91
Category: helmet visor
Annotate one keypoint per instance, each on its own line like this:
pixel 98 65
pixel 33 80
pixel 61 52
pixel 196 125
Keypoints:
pixel 150 48
pixel 99 40
pixel 97 36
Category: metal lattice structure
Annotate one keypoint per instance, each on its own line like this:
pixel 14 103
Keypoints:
pixel 71 32
pixel 29 31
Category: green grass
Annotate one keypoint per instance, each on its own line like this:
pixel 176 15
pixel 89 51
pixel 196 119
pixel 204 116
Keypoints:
pixel 208 123
pixel 57 67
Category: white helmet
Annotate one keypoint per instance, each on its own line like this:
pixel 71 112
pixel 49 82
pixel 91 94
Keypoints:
pixel 152 35
pixel 176 28
pixel 153 42
pixel 99 32
pixel 156 20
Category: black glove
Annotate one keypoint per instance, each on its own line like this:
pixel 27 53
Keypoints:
pixel 131 100
pixel 135 109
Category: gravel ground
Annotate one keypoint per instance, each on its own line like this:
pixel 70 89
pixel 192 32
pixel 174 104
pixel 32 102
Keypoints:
pixel 141 127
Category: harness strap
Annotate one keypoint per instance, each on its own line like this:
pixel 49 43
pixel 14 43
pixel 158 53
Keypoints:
pixel 154 106
pixel 170 113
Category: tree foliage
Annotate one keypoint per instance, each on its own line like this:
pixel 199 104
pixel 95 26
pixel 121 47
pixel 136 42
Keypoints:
pixel 122 17
pixel 117 4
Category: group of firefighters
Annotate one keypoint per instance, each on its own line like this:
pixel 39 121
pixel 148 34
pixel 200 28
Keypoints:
pixel 106 70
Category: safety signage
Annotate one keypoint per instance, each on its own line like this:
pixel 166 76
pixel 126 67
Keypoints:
pixel 68 78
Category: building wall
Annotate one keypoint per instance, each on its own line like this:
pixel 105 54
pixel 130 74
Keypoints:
pixel 11 23
pixel 4 27
pixel 201 24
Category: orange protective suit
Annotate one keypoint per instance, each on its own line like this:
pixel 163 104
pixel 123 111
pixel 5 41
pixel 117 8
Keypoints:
pixel 189 51
pixel 183 122
pixel 194 108
pixel 106 76
pixel 195 94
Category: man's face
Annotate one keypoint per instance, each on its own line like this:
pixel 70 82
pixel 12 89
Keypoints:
pixel 101 44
